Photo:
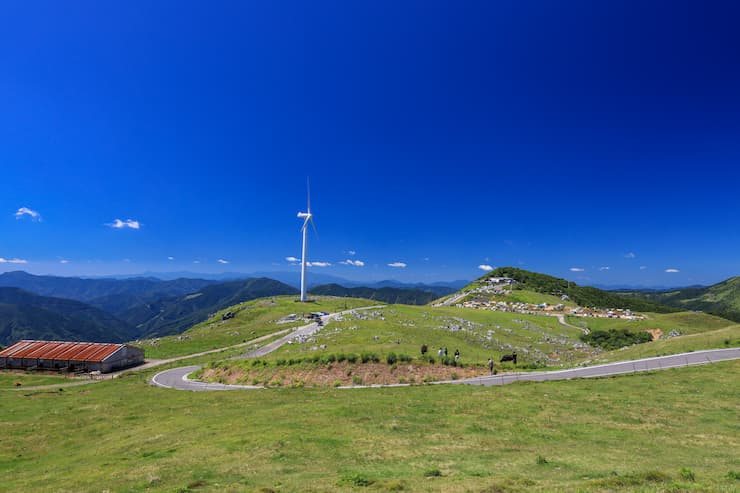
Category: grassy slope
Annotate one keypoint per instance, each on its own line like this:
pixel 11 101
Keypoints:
pixel 404 329
pixel 722 298
pixel 684 322
pixel 9 379
pixel 714 339
pixel 596 435
pixel 582 295
pixel 253 319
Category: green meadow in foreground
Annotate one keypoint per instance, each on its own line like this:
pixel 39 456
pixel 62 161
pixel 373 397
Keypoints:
pixel 675 430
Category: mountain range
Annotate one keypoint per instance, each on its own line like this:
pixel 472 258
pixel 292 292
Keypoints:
pixel 118 310
pixel 722 299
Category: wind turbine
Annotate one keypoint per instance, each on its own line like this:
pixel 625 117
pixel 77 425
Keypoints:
pixel 308 217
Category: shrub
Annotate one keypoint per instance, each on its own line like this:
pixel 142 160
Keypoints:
pixel 615 338
pixel 356 380
pixel 367 357
pixel 541 460
pixel 391 358
pixel 687 474
pixel 454 376
pixel 280 362
pixel 337 383
pixel 331 358
pixel 358 480
pixel 256 362
pixel 341 357
pixel 432 473
pixel 431 360
pixel 733 475
pixel 351 358
pixel 404 358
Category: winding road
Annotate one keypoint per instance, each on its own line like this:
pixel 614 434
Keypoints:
pixel 176 378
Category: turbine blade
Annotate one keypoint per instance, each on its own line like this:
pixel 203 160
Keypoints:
pixel 305 223
pixel 313 225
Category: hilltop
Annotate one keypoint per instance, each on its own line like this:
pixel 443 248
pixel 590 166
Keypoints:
pixel 721 299
pixel 386 294
pixel 585 296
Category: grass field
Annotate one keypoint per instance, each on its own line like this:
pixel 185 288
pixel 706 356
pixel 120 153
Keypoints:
pixel 675 430
pixel 10 379
pixel 253 319
pixel 684 322
pixel 713 339
pixel 478 334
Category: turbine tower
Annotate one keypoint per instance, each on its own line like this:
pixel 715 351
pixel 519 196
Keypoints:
pixel 308 217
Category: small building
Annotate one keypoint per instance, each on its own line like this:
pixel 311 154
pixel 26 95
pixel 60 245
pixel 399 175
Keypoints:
pixel 70 356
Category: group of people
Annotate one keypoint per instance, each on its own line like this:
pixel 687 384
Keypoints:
pixel 442 353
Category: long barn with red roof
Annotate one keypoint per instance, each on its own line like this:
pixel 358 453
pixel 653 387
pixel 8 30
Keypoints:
pixel 70 356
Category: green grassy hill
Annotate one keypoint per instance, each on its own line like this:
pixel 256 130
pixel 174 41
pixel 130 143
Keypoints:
pixel 582 295
pixel 252 319
pixel 722 299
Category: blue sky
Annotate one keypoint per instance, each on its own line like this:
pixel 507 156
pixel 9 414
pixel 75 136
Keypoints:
pixel 596 141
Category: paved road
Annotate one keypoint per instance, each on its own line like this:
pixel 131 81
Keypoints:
pixel 619 368
pixel 176 378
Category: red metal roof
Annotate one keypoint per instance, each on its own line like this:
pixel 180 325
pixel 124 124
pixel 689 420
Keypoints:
pixel 61 351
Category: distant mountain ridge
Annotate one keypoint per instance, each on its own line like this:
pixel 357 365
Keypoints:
pixel 109 294
pixel 721 299
pixel 25 315
pixel 172 315
pixel 406 296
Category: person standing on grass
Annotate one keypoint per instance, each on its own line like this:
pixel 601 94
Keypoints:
pixel 490 365
pixel 423 349
pixel 440 353
pixel 457 355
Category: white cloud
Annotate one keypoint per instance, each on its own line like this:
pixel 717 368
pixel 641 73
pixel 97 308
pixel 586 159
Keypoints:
pixel 25 211
pixel 351 253
pixel 643 267
pixel 605 268
pixel 672 271
pixel 485 267
pixel 128 223
pixel 630 255
pixel 318 264
pixel 196 261
pixel 64 261
pixel 222 261
pixel 292 259
pixel 13 261
pixel 577 269
pixel 170 258
pixel 356 263
pixel 397 264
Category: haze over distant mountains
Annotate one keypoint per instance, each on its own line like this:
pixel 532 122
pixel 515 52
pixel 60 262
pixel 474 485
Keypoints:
pixel 117 310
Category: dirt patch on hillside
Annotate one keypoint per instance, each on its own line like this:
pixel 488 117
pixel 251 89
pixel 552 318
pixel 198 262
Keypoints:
pixel 339 374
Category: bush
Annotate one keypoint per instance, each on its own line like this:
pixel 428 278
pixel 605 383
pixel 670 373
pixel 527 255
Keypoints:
pixel 432 473
pixel 541 460
pixel 733 475
pixel 280 362
pixel 358 480
pixel 615 338
pixel 337 383
pixel 687 474
pixel 367 357
pixel 356 380
pixel 351 358
pixel 404 358
pixel 391 358
pixel 341 357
